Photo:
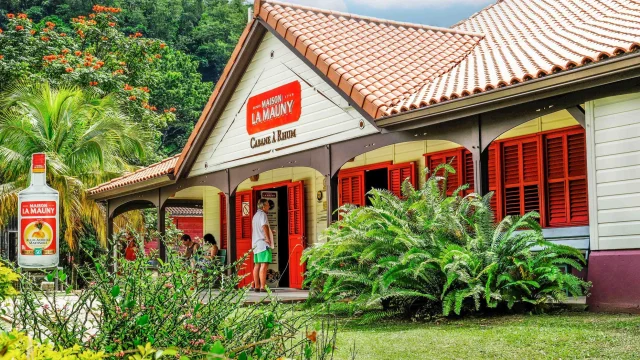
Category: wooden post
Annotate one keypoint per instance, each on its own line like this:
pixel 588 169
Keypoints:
pixel 162 231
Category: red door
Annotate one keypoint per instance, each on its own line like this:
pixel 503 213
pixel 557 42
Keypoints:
pixel 244 209
pixel 398 174
pixel 297 233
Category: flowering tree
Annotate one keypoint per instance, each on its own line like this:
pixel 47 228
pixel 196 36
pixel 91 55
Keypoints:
pixel 97 54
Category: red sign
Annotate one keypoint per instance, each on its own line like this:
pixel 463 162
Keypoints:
pixel 274 108
pixel 38 208
pixel 38 163
pixel 38 228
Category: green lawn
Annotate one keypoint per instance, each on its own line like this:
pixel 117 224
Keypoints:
pixel 567 336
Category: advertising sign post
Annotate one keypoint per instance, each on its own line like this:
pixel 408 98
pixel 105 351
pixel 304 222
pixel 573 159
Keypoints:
pixel 38 220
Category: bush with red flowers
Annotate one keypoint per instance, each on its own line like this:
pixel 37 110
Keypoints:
pixel 97 54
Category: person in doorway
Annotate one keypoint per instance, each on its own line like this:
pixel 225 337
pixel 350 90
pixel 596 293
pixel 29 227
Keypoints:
pixel 262 243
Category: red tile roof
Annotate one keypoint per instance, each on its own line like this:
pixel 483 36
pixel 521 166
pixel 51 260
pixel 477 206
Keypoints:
pixel 528 39
pixel 156 170
pixel 184 211
pixel 387 67
pixel 376 62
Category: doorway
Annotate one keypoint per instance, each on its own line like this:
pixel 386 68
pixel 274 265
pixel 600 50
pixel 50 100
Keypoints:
pixel 290 220
pixel 278 273
pixel 375 179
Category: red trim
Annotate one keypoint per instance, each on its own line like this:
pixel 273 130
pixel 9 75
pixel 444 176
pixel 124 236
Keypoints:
pixel 271 185
pixel 376 166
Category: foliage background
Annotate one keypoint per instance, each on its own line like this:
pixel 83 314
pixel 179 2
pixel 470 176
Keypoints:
pixel 199 36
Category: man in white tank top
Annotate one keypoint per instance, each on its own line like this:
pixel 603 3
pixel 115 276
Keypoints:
pixel 262 243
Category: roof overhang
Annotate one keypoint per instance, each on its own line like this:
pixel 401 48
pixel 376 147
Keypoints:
pixel 133 188
pixel 619 68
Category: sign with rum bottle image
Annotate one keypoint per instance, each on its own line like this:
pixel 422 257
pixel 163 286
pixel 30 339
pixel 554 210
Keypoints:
pixel 38 217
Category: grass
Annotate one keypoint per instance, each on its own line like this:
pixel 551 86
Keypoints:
pixel 565 336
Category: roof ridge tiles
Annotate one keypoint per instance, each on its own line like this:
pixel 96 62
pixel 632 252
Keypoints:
pixel 373 19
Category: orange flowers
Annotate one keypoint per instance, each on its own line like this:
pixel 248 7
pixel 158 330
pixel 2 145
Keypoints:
pixel 10 16
pixel 92 16
pixel 65 51
pixel 63 34
pixel 78 53
pixel 122 63
pixel 19 28
pixel 104 38
pixel 50 25
pixel 45 38
pixel 0 31
pixel 33 32
pixel 93 83
pixel 132 97
pixel 136 35
pixel 1 57
pixel 158 56
pixel 128 87
pixel 118 72
pixel 162 46
pixel 145 89
pixel 101 9
pixel 172 109
pixel 22 16
pixel 112 24
pixel 80 32
pixel 50 57
pixel 69 70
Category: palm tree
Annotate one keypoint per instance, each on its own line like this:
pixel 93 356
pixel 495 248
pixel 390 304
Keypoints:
pixel 87 139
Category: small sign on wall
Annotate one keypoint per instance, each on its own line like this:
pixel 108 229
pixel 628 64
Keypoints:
pixel 246 208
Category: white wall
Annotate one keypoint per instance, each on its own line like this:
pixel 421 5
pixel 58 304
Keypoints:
pixel 613 156
pixel 326 117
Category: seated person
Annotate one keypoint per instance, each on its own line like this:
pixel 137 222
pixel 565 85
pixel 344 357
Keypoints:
pixel 212 245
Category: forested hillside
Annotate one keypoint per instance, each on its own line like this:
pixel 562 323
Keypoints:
pixel 162 56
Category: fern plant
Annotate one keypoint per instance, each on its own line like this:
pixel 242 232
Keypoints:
pixel 432 252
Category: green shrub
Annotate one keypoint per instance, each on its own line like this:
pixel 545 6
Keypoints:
pixel 7 278
pixel 433 253
pixel 171 307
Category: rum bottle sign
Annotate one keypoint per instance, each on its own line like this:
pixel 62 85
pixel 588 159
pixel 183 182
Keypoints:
pixel 38 219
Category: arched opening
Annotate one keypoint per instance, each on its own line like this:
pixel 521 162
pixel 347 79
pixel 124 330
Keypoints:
pixel 197 211
pixel 388 167
pixel 297 215
pixel 541 165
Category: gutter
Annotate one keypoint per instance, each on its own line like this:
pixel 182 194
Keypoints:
pixel 619 68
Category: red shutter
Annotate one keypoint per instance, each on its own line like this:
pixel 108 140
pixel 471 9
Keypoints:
pixel 521 176
pixel 494 184
pixel 566 170
pixel 398 174
pixel 351 188
pixel 244 212
pixel 223 221
pixel 467 171
pixel 451 157
pixel 578 191
pixel 297 233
